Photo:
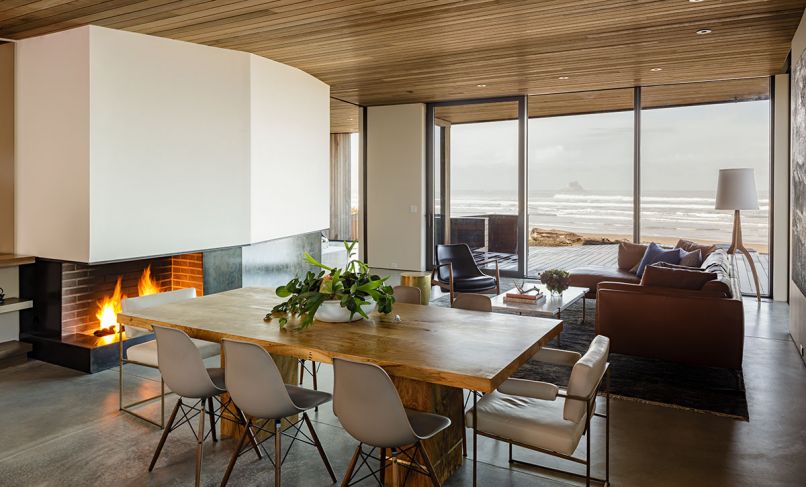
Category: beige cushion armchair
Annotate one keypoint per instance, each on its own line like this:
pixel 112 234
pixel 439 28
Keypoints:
pixel 543 417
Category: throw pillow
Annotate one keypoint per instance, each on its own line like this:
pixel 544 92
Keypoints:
pixel 656 253
pixel 691 259
pixel 675 277
pixel 629 255
pixel 690 246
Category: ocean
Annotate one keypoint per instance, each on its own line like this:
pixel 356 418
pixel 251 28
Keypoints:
pixel 673 215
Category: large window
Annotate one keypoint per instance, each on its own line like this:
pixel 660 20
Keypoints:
pixel 580 178
pixel 682 150
pixel 595 178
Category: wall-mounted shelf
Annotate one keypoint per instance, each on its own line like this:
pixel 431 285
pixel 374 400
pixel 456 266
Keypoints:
pixel 15 304
pixel 13 260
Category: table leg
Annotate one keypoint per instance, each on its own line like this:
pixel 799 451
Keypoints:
pixel 445 448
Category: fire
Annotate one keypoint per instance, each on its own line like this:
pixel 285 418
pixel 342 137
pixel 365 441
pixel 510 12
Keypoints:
pixel 108 309
pixel 147 284
pixel 110 306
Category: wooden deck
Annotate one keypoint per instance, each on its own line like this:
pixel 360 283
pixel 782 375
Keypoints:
pixel 542 258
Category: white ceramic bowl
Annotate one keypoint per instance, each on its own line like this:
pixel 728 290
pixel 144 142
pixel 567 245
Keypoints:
pixel 332 312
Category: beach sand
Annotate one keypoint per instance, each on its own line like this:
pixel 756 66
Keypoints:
pixel 542 237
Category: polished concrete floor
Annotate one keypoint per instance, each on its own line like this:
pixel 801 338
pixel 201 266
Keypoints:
pixel 62 428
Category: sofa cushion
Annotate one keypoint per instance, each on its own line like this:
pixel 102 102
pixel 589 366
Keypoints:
pixel 718 262
pixel 629 255
pixel 658 275
pixel 691 259
pixel 655 253
pixel 690 246
pixel 590 276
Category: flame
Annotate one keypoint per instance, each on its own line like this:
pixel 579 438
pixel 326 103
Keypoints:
pixel 108 309
pixel 147 285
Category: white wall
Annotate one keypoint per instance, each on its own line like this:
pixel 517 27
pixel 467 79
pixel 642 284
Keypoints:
pixel 131 145
pixel 780 181
pixel 290 126
pixel 169 142
pixel 797 301
pixel 395 199
pixel 6 148
pixel 53 146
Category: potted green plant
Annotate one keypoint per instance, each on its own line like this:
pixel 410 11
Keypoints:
pixel 556 280
pixel 333 294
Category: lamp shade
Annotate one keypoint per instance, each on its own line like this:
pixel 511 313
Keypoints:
pixel 736 190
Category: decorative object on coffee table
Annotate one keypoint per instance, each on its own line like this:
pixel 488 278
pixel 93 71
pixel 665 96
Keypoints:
pixel 2 296
pixel 736 191
pixel 556 281
pixel 545 308
pixel 332 295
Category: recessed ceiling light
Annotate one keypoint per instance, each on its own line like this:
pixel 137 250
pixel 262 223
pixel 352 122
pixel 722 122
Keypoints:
pixel 563 77
pixel 702 32
pixel 656 69
pixel 481 85
pixel 696 1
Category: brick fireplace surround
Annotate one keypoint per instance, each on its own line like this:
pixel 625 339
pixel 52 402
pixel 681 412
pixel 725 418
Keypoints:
pixel 83 285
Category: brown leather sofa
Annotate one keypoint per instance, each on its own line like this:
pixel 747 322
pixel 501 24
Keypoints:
pixel 699 327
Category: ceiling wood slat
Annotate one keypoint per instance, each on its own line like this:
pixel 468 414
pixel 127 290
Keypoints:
pixel 375 52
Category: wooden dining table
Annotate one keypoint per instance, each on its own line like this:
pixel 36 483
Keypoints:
pixel 430 352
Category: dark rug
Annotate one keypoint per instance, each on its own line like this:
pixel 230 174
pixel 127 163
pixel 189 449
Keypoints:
pixel 704 389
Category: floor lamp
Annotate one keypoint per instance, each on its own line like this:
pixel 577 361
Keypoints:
pixel 737 191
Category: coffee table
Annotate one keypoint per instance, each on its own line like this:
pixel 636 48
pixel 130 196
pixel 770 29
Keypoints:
pixel 549 307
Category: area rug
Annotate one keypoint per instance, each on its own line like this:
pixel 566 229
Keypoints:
pixel 703 389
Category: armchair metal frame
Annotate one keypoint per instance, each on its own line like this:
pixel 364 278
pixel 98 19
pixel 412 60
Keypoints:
pixel 436 282
pixel 127 408
pixel 590 401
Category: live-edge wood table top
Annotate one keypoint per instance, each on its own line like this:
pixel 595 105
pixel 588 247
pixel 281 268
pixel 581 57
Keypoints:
pixel 452 347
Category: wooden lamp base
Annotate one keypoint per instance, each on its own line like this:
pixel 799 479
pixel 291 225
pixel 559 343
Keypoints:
pixel 737 246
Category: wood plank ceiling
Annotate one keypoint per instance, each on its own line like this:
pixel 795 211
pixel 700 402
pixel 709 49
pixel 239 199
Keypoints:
pixel 380 52
pixel 612 100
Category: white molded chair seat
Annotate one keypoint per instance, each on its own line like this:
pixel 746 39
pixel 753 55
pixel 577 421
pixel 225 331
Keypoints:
pixel 146 353
pixel 535 422
pixel 305 399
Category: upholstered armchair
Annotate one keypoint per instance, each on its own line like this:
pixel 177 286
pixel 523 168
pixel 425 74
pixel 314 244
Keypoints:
pixel 542 417
pixel 457 272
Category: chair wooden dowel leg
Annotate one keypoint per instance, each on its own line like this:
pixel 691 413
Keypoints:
pixel 211 412
pixel 235 453
pixel 239 414
pixel 431 472
pixel 278 454
pixel 318 443
pixel 349 472
pixel 301 371
pixel 200 445
pixel 164 436
pixel 162 402
pixel 383 466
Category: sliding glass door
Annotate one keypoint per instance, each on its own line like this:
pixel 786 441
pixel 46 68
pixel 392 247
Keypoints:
pixel 475 170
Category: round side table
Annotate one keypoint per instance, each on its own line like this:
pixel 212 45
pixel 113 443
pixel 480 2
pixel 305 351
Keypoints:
pixel 420 280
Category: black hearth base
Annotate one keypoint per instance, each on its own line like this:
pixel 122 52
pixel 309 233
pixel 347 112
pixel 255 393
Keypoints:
pixel 85 353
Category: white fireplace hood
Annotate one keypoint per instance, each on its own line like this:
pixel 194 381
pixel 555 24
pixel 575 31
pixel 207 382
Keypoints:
pixel 130 146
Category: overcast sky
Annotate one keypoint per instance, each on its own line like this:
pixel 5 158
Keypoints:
pixel 682 150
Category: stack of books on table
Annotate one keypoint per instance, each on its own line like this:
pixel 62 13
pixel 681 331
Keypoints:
pixel 531 297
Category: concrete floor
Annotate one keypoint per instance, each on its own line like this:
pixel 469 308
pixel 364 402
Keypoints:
pixel 59 427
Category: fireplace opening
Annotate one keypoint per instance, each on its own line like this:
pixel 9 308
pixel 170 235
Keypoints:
pixel 74 318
